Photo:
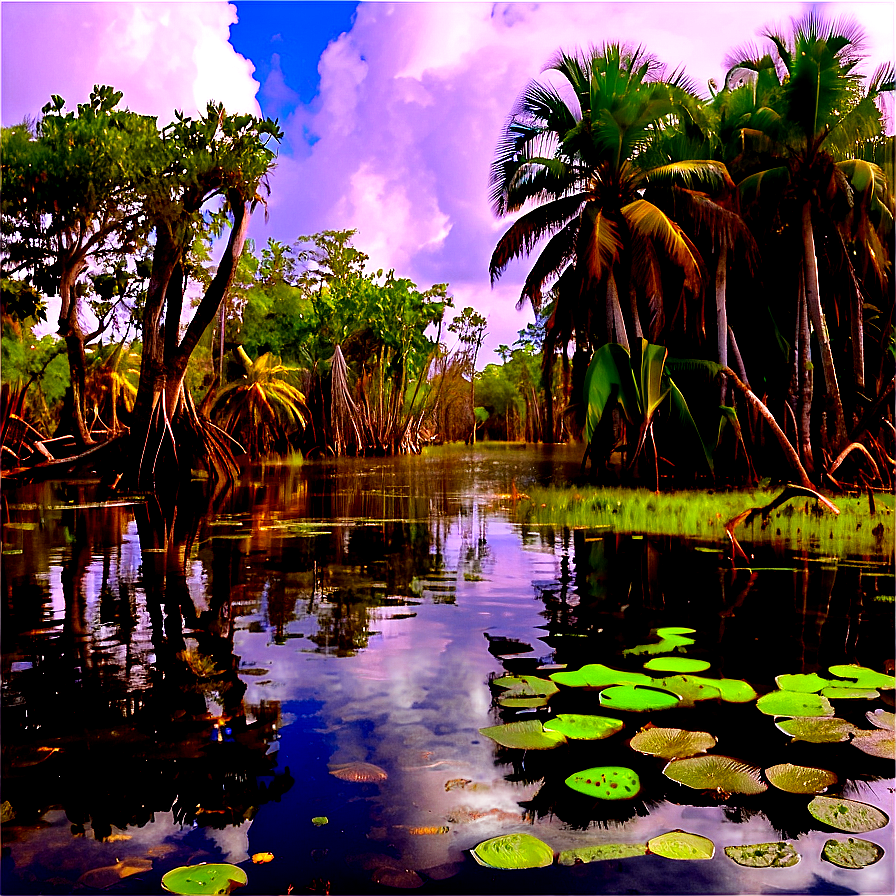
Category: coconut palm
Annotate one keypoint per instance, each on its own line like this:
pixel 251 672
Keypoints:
pixel 811 114
pixel 260 407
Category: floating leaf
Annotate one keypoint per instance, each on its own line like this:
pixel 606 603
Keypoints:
pixel 817 730
pixel 879 742
pixel 681 664
pixel 671 638
pixel 731 690
pixel 514 851
pixel 597 675
pixel 320 820
pixel 359 772
pixel 262 858
pixel 852 853
pixel 764 855
pixel 800 779
pixel 601 852
pixel 719 773
pixel 109 875
pixel 880 718
pixel 199 880
pixel 864 677
pixel 838 692
pixel 606 782
pixel 794 703
pixel 805 684
pixel 528 735
pixel 627 698
pixel 584 727
pixel 672 743
pixel 510 701
pixel 526 685
pixel 681 845
pixel 847 815
pixel 688 688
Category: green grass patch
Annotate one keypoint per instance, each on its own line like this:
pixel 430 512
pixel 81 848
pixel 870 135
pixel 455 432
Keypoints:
pixel 798 524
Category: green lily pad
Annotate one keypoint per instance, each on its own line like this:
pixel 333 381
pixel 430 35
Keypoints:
pixel 837 692
pixel 512 702
pixel 880 743
pixel 864 677
pixel 627 698
pixel 320 820
pixel 528 735
pixel 720 773
pixel 731 690
pixel 680 664
pixel 852 853
pixel 526 685
pixel 672 743
pixel 688 688
pixel 681 845
pixel 817 730
pixel 597 675
pixel 199 880
pixel 601 852
pixel 671 638
pixel 583 727
pixel 514 851
pixel 880 718
pixel 847 815
pixel 799 778
pixel 794 703
pixel 764 855
pixel 606 782
pixel 805 684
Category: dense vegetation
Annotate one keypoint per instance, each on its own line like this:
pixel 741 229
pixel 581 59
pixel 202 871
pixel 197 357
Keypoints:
pixel 711 280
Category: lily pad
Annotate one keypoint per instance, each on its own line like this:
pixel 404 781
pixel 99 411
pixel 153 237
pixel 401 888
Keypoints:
pixel 681 845
pixel 805 684
pixel 679 664
pixel 817 730
pixel 320 820
pixel 794 703
pixel 262 858
pixel 584 727
pixel 528 735
pixel 864 677
pixel 671 638
pixel 514 851
pixel 847 815
pixel 526 685
pixel 672 743
pixel 199 880
pixel 601 852
pixel 731 690
pixel 597 675
pixel 764 855
pixel 509 701
pixel 628 698
pixel 799 778
pixel 839 692
pixel 720 773
pixel 606 782
pixel 109 875
pixel 880 718
pixel 688 688
pixel 880 743
pixel 359 772
pixel 852 853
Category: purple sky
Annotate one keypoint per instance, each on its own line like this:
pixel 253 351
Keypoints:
pixel 410 100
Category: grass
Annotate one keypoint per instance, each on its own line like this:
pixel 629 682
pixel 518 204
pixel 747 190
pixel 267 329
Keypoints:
pixel 798 524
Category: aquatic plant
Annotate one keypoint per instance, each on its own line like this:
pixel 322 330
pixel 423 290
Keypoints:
pixel 514 851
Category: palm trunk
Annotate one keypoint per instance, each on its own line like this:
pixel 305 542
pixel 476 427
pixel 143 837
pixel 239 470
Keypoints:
pixel 813 299
pixel 804 383
pixel 615 321
pixel 721 304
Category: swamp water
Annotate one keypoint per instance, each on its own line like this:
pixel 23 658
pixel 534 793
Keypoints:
pixel 305 670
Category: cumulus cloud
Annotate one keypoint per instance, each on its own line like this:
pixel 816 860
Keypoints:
pixel 163 56
pixel 412 100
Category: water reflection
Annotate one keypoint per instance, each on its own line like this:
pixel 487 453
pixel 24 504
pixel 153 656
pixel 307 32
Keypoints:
pixel 179 682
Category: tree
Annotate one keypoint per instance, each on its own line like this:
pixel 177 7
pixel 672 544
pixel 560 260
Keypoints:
pixel 470 327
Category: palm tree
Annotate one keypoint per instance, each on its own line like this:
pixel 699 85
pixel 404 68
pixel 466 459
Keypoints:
pixel 810 115
pixel 260 407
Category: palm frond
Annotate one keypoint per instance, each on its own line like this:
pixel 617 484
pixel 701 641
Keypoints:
pixel 598 244
pixel 706 175
pixel 556 255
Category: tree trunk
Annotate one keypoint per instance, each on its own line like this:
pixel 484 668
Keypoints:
pixel 721 304
pixel 70 330
pixel 804 383
pixel 547 388
pixel 615 322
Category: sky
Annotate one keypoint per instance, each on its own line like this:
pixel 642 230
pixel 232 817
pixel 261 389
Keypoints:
pixel 391 111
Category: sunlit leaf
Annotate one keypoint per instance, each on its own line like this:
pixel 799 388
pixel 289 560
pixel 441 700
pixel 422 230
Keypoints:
pixel 862 677
pixel 846 693
pixel 672 743
pixel 262 858
pixel 817 730
pixel 688 688
pixel 584 727
pixel 320 820
pixel 852 853
pixel 731 690
pixel 601 852
pixel 597 675
pixel 510 701
pixel 673 637
pixel 880 743
pixel 528 735
pixel 681 845
pixel 805 684
pixel 720 773
pixel 680 664
pixel 764 855
pixel 514 851
pixel 627 698
pixel 199 880
pixel 800 779
pixel 847 815
pixel 606 782
pixel 881 718
pixel 526 686
pixel 794 703
pixel 359 772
